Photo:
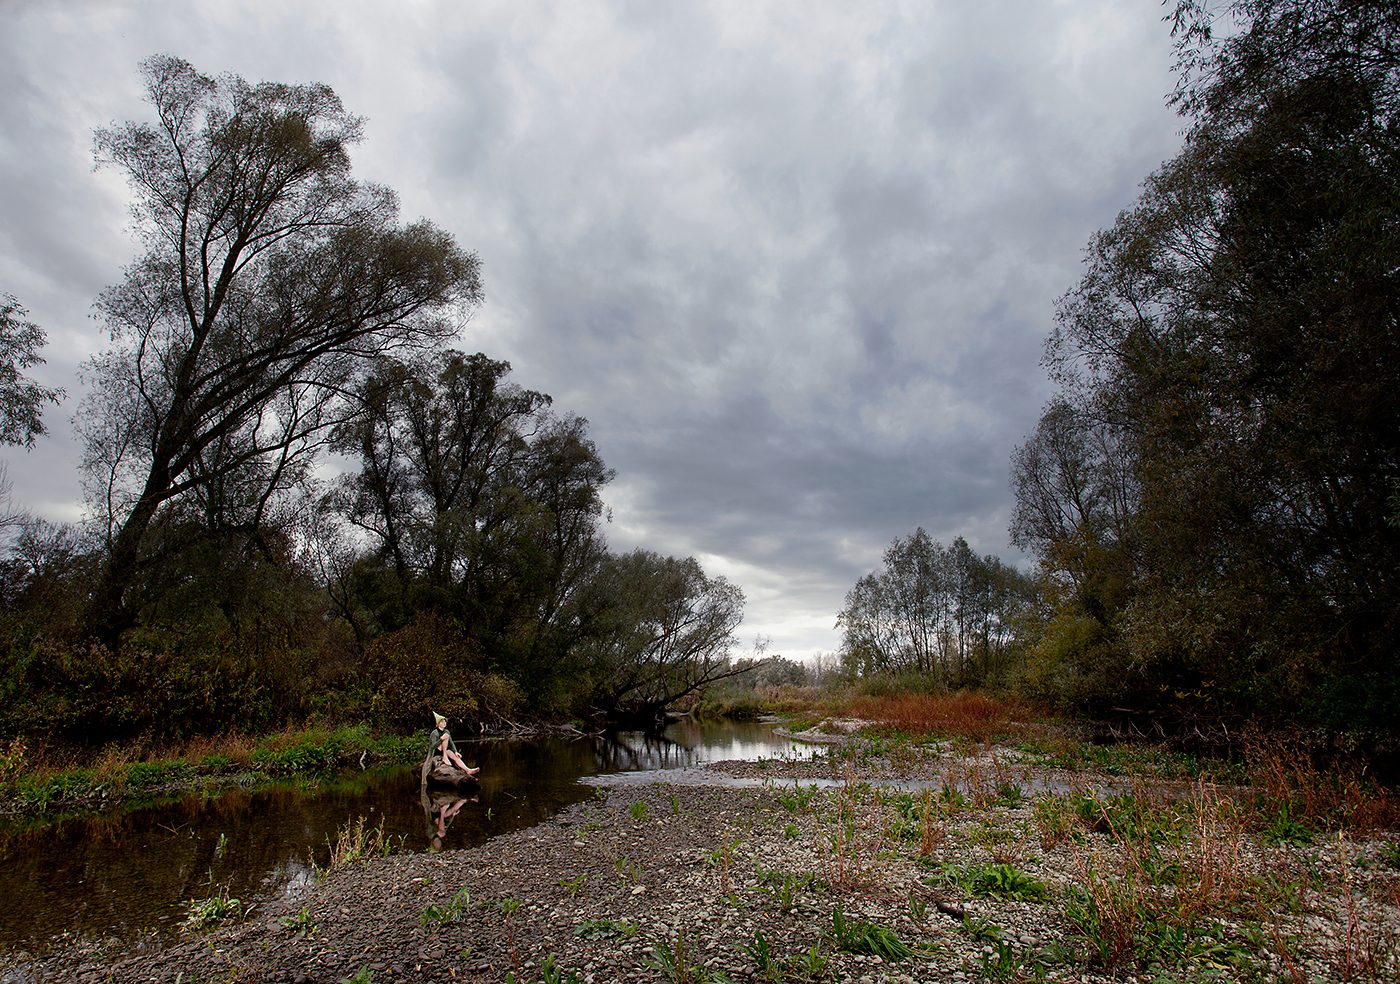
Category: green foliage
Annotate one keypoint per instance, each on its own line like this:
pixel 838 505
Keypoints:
pixel 605 929
pixel 550 973
pixel 981 930
pixel 1007 962
pixel 765 962
pixel 799 799
pixel 1284 828
pixel 429 666
pixel 355 842
pixel 933 617
pixel 672 961
pixel 860 936
pixel 449 912
pixel 639 810
pixel 201 914
pixel 362 976
pixel 783 886
pixel 21 399
pixel 994 880
pixel 302 923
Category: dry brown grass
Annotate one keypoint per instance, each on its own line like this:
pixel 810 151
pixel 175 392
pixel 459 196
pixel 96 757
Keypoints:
pixel 974 716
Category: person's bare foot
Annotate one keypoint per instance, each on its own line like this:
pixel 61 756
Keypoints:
pixel 471 771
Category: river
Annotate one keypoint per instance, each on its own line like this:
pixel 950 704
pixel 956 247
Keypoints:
pixel 133 871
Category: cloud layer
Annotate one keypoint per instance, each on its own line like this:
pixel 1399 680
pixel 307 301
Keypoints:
pixel 794 261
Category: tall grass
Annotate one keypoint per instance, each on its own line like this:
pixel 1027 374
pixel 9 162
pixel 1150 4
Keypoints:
pixel 1288 776
pixel 964 714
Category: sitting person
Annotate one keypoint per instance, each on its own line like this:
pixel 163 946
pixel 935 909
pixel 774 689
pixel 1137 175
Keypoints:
pixel 445 749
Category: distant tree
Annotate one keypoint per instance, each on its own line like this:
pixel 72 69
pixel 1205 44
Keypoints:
pixel 940 611
pixel 269 278
pixel 660 629
pixel 21 399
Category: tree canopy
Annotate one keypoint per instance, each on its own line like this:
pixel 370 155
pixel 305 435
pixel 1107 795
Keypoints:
pixel 269 279
pixel 21 399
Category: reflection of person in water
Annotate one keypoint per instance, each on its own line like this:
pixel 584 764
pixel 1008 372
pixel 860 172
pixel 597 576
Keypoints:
pixel 445 749
pixel 441 813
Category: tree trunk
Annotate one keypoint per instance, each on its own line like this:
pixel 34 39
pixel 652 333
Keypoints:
pixel 111 613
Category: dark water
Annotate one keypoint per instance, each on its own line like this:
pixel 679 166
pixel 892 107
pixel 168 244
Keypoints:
pixel 127 873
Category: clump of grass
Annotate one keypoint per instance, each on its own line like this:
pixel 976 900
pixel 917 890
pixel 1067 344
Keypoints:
pixel 1054 820
pixel 449 912
pixel 860 936
pixel 1144 895
pixel 201 914
pixel 356 842
pixel 851 839
pixel 1334 795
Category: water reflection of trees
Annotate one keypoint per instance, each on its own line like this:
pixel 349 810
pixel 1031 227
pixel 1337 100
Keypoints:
pixel 635 751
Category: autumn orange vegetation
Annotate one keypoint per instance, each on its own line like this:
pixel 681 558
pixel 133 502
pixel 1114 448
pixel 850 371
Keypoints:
pixel 964 714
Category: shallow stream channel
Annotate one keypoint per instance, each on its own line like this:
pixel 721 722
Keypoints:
pixel 130 872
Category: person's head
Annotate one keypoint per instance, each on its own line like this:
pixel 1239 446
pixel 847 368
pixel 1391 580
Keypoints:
pixel 439 720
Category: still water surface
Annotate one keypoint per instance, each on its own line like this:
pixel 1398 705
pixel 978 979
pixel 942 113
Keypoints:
pixel 130 872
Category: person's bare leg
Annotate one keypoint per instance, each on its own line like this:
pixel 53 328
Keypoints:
pixel 456 760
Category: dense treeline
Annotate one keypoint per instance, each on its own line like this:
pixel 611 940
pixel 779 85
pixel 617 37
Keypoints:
pixel 279 311
pixel 1212 495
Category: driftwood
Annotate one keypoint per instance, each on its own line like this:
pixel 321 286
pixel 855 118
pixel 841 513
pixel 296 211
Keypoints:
pixel 437 774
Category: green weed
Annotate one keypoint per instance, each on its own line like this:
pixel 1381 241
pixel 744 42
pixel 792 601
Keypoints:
pixel 354 842
pixel 302 924
pixel 671 961
pixel 1010 963
pixel 860 936
pixel 994 880
pixel 605 929
pixel 1284 828
pixel 449 912
pixel 550 973
pixel 201 914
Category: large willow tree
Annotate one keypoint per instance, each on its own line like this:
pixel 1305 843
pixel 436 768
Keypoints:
pixel 268 278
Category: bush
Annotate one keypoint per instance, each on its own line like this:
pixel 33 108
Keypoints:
pixel 430 666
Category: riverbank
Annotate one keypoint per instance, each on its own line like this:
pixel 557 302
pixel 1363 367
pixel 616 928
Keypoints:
pixel 44 792
pixel 993 872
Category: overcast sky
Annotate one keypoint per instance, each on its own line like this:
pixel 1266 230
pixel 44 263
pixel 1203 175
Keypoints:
pixel 794 261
